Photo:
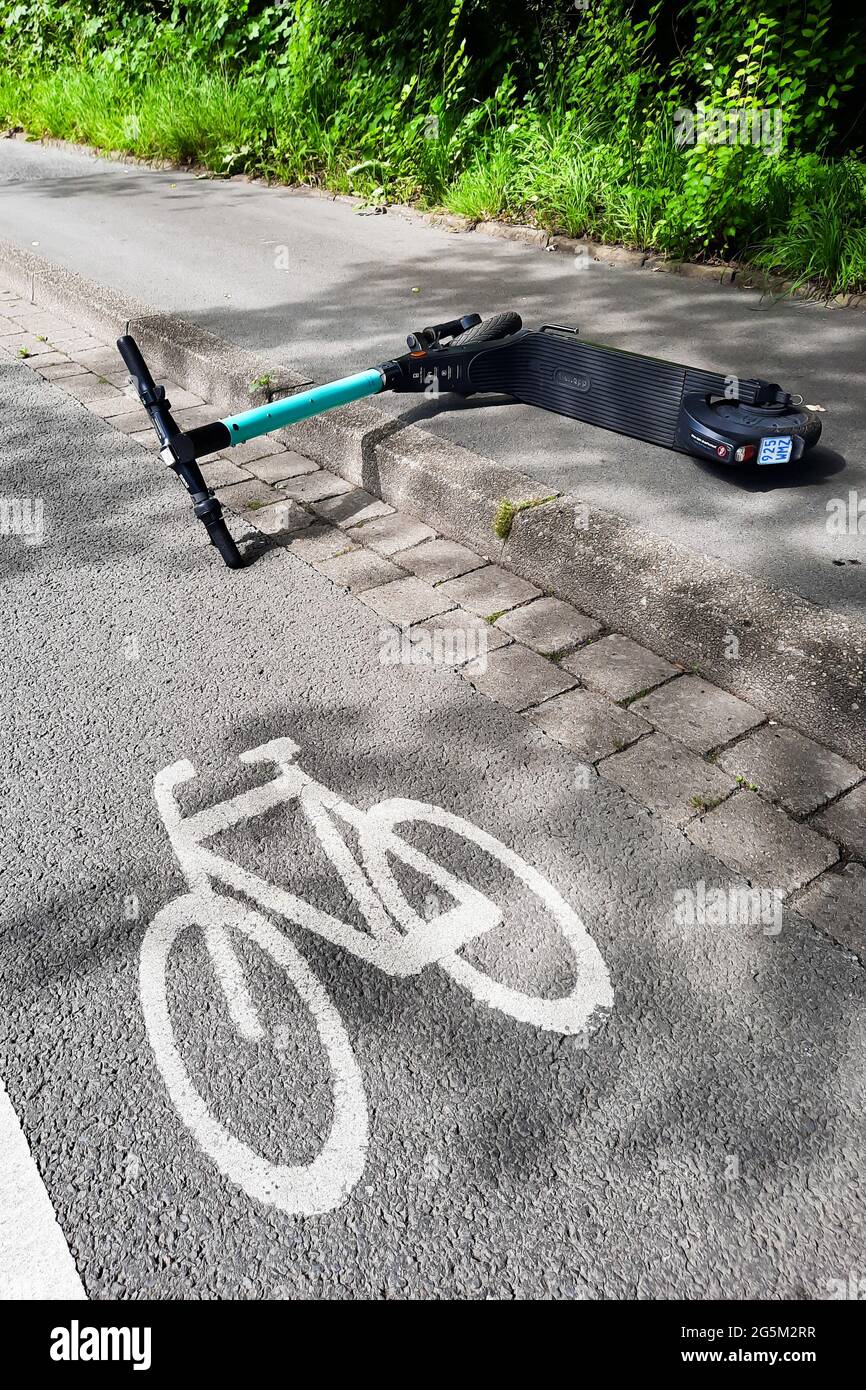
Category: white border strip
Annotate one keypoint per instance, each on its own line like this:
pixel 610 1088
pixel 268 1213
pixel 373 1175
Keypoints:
pixel 35 1262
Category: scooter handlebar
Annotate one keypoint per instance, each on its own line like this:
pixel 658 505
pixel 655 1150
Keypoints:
pixel 181 451
pixel 138 369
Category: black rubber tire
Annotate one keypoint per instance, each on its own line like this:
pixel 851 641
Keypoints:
pixel 810 429
pixel 797 421
pixel 498 326
pixel 804 423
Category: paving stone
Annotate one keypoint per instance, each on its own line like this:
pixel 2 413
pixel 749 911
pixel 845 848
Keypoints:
pixel 515 676
pixel 836 903
pixel 438 559
pixel 352 508
pixel 359 570
pixel 107 364
pixel 111 407
pixel 75 343
pixel 313 487
pixel 280 519
pixel 196 415
pixel 846 820
pixel 84 387
pixel 668 777
pixel 124 392
pixel 457 636
pixel 698 714
pixel 548 625
pixel 762 843
pixel 276 468
pixel 388 534
pixel 794 770
pixel 147 438
pixel 8 326
pixel 406 600
pixel 43 324
pixel 30 344
pixel 588 723
pixel 181 399
pixel 135 422
pixel 109 368
pixel 121 380
pixel 55 371
pixel 251 493
pixel 218 472
pixel 321 542
pixel 40 321
pixel 101 359
pixel 253 449
pixel 46 327
pixel 618 667
pixel 45 360
pixel 488 591
pixel 51 330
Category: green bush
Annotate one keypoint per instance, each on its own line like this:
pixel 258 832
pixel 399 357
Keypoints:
pixel 547 112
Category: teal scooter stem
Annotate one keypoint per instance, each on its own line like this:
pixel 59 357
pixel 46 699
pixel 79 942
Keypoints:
pixel 181 449
pixel 276 414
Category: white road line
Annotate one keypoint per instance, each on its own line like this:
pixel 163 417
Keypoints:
pixel 35 1262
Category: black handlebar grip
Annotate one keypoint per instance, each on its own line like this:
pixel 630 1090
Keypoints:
pixel 136 366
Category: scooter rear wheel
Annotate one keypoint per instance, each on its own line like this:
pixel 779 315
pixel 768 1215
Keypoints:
pixel 804 423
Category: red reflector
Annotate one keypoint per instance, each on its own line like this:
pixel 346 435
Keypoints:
pixel 745 453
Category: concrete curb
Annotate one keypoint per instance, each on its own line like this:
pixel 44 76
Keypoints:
pixel 176 349
pixel 803 664
pixel 211 367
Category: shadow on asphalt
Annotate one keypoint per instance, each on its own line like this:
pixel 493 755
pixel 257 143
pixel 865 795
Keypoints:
pixel 819 465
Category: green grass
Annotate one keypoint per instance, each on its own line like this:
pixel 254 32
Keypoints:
pixel 638 695
pixel 702 803
pixel 800 216
pixel 817 246
pixel 507 511
pixel 486 189
pixel 182 116
pixel 743 783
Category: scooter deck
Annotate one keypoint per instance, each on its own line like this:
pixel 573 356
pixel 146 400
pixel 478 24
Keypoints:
pixel 634 395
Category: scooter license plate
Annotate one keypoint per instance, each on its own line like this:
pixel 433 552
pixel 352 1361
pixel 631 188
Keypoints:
pixel 775 448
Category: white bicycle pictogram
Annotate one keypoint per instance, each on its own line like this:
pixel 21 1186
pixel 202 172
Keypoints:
pixel 397 939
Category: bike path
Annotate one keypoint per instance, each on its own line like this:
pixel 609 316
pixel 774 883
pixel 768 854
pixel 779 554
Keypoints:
pixel 334 291
pixel 703 1139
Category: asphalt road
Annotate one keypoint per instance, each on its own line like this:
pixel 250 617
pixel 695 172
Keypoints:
pixel 701 1137
pixel 332 291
